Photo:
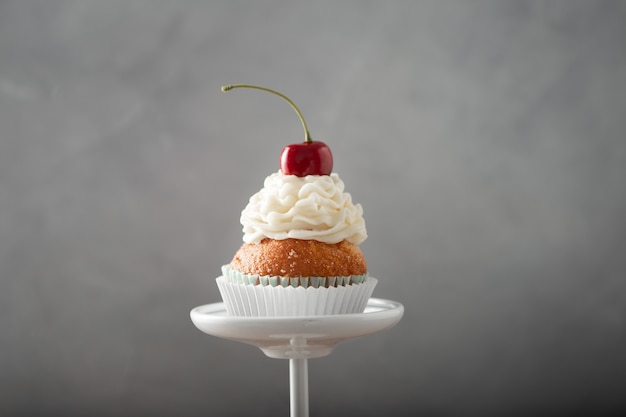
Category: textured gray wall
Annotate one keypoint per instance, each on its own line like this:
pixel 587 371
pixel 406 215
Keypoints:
pixel 485 140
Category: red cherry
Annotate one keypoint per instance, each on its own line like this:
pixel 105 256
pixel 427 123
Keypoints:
pixel 306 158
pixel 300 159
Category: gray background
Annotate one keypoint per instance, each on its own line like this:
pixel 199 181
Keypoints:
pixel 484 139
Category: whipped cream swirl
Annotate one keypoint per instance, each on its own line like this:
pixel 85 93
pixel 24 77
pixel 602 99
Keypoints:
pixel 314 207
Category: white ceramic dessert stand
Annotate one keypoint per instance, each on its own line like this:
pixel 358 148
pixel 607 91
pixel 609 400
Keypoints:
pixel 297 338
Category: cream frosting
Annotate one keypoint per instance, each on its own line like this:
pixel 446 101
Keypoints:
pixel 314 207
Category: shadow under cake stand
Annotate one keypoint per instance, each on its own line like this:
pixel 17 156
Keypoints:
pixel 297 338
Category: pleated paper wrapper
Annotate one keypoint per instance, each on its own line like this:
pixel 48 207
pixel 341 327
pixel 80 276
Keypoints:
pixel 248 300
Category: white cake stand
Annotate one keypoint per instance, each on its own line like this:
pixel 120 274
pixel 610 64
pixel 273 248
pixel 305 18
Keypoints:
pixel 297 338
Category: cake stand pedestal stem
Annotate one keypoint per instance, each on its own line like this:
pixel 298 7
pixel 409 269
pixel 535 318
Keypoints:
pixel 299 387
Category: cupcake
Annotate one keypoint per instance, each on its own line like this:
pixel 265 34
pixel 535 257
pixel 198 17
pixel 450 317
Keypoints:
pixel 301 234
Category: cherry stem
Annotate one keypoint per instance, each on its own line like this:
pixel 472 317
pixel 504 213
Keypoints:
pixel 307 135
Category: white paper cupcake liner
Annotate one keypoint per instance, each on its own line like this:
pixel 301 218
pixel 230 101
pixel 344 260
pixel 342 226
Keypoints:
pixel 249 300
pixel 232 275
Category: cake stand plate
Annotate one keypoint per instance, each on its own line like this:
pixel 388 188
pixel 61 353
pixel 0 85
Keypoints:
pixel 303 337
pixel 297 338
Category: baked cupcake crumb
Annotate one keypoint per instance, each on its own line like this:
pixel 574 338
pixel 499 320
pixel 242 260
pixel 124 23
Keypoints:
pixel 295 258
